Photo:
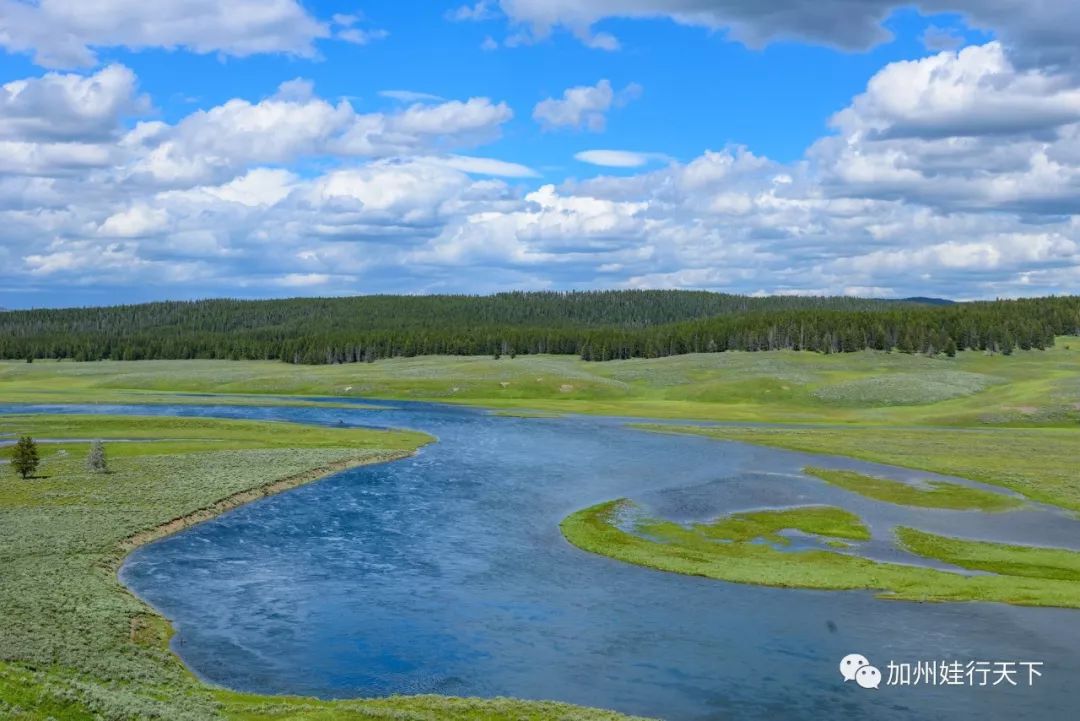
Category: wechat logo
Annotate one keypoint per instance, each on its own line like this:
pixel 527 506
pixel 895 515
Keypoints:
pixel 856 667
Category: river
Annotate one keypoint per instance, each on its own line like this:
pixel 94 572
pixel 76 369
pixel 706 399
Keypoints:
pixel 446 573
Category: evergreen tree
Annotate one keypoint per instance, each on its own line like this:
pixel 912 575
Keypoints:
pixel 24 457
pixel 598 326
pixel 95 459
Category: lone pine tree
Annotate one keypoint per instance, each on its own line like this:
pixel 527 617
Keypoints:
pixel 24 457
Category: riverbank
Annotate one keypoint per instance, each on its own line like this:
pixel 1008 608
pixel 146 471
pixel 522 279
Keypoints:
pixel 78 646
pixel 265 490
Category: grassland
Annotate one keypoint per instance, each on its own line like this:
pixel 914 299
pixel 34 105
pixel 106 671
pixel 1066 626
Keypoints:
pixel 724 550
pixel 76 646
pixel 1036 388
pixel 936 494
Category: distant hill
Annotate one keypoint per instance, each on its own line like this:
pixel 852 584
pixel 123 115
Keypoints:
pixel 929 301
pixel 629 308
pixel 597 325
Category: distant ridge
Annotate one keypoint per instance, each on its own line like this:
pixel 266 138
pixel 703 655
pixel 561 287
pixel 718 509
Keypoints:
pixel 922 300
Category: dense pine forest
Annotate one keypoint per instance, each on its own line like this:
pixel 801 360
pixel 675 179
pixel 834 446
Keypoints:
pixel 602 325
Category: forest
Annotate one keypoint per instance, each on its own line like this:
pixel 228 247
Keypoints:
pixel 599 326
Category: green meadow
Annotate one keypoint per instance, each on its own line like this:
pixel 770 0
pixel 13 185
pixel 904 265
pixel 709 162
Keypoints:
pixel 1032 388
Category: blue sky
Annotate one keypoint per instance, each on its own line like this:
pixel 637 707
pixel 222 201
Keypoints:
pixel 700 91
pixel 193 149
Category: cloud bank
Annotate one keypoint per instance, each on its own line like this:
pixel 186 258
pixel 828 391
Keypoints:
pixel 957 171
pixel 1038 33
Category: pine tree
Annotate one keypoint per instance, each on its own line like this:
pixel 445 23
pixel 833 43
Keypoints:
pixel 599 326
pixel 24 457
pixel 95 460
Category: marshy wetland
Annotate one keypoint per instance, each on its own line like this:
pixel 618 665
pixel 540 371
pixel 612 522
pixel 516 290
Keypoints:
pixel 445 574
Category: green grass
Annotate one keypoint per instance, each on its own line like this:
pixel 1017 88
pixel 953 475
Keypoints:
pixel 182 435
pixel 766 525
pixel 75 645
pixel 1038 463
pixel 667 546
pixel 906 389
pixel 1036 388
pixel 937 494
pixel 1031 561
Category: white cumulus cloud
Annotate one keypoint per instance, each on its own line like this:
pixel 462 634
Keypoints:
pixel 69 107
pixel 583 106
pixel 63 33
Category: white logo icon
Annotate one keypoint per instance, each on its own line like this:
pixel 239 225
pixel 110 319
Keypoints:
pixel 868 677
pixel 856 667
pixel 852 663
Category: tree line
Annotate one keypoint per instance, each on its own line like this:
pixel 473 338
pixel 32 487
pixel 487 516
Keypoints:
pixel 599 326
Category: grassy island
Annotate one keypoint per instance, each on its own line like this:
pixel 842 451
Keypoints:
pixel 731 549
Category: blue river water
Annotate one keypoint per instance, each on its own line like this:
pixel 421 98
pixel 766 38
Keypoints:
pixel 446 573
